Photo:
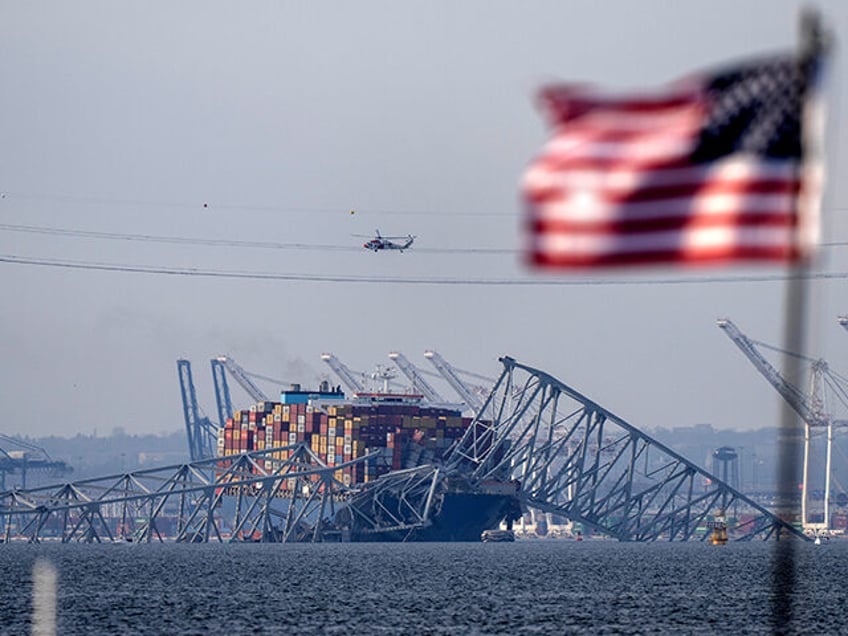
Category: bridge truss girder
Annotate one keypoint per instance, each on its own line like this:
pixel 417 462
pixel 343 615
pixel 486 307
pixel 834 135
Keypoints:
pixel 576 459
pixel 252 496
pixel 398 503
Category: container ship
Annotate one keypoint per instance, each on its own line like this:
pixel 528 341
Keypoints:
pixel 401 434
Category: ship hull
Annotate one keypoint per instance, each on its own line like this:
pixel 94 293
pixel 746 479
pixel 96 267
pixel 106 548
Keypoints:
pixel 460 516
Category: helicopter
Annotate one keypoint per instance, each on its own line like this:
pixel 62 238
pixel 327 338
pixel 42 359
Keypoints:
pixel 380 242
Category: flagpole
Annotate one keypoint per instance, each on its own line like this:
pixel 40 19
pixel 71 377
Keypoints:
pixel 789 439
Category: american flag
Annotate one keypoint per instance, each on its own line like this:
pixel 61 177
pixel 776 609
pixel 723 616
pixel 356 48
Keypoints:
pixel 707 170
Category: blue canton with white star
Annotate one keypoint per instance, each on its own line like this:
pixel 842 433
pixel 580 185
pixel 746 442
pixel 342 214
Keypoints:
pixel 754 110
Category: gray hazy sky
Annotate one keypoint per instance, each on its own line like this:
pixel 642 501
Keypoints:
pixel 128 117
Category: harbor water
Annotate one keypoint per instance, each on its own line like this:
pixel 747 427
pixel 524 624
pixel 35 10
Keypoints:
pixel 527 587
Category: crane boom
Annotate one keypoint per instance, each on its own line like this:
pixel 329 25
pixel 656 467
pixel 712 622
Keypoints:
pixel 222 391
pixel 792 394
pixel 344 373
pixel 243 379
pixel 812 410
pixel 449 374
pixel 414 375
pixel 200 431
pixel 26 445
pixel 34 458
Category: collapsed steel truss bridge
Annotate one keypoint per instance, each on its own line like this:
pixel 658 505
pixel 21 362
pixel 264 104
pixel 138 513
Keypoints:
pixel 565 454
pixel 576 459
pixel 249 497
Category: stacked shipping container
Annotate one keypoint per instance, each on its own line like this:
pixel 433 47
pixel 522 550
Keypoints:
pixel 403 435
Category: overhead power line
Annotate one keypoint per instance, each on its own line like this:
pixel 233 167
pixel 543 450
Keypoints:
pixel 187 240
pixel 235 243
pixel 406 280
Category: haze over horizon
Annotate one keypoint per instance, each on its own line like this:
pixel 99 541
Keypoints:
pixel 191 133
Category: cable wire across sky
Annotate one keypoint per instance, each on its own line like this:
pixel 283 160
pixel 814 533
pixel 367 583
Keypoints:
pixel 186 240
pixel 12 259
pixel 235 243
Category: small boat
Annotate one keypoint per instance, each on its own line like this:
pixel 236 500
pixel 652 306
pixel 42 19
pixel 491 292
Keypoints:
pixel 497 536
pixel 719 527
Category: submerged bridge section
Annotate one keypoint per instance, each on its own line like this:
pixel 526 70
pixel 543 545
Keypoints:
pixel 574 458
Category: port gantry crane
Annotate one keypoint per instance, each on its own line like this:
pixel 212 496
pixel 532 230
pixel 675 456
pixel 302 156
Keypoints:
pixel 223 402
pixel 347 376
pixel 20 457
pixel 449 373
pixel 810 406
pixel 243 378
pixel 414 374
pixel 201 432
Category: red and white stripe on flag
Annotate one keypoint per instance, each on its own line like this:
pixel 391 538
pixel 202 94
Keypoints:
pixel 616 184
